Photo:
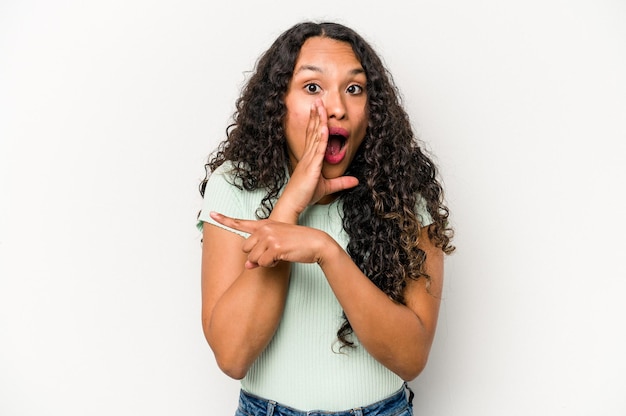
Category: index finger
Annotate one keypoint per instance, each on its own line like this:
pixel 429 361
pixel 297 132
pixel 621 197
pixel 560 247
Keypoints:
pixel 247 226
pixel 317 129
pixel 322 121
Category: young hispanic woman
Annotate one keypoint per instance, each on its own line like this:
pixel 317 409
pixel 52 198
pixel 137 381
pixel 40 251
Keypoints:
pixel 324 234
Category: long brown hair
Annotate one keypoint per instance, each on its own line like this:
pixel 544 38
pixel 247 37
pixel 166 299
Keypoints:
pixel 379 215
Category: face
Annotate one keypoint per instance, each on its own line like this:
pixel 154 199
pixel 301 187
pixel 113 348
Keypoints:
pixel 329 70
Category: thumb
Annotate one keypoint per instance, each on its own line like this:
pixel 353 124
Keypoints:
pixel 341 183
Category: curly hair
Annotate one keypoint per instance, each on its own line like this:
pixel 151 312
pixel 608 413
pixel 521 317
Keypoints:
pixel 395 175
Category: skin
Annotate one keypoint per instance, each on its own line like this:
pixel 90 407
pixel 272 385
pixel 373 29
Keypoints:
pixel 326 70
pixel 245 281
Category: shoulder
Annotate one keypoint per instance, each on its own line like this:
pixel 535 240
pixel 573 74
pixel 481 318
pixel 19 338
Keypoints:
pixel 226 170
pixel 421 209
pixel 229 174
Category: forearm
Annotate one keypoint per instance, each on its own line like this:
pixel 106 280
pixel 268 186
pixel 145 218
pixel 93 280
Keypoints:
pixel 286 210
pixel 391 332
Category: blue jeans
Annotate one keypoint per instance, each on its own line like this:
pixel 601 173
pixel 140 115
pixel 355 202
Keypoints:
pixel 397 405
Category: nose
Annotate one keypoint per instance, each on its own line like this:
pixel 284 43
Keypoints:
pixel 335 106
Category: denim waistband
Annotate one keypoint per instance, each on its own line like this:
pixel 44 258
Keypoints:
pixel 251 405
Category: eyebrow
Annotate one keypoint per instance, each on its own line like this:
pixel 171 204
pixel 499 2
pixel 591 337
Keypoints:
pixel 314 68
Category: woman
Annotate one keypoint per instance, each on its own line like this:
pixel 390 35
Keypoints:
pixel 322 266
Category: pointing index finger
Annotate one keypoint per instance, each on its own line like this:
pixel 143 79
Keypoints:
pixel 246 226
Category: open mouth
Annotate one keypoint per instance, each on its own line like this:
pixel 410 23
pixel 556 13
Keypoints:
pixel 337 139
pixel 336 142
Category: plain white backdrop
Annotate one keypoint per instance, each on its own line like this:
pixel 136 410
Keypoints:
pixel 108 111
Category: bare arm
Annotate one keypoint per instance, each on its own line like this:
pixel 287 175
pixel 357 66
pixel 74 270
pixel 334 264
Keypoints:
pixel 398 336
pixel 241 308
pixel 242 304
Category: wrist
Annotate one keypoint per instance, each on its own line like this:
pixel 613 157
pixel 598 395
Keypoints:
pixel 284 217
pixel 328 251
pixel 282 212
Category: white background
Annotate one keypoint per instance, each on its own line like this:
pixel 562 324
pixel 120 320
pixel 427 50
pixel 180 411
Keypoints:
pixel 109 109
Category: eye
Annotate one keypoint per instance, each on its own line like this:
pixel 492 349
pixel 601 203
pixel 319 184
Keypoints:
pixel 354 89
pixel 312 88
